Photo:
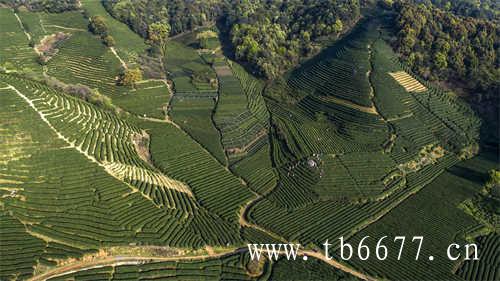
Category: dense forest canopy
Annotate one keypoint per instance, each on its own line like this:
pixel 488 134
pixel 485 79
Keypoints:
pixel 270 36
pixel 44 5
pixel 441 46
pixel 274 35
pixel 182 15
pixel 488 9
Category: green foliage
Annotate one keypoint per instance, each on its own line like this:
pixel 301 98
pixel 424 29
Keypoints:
pixel 208 39
pixel 130 76
pixel 193 104
pixel 486 268
pixel 44 5
pixel 148 99
pixel 329 146
pixel 129 45
pixel 109 41
pixel 182 16
pixel 421 214
pixel 13 262
pixel 494 179
pixel 439 45
pixel 312 269
pixel 158 32
pixel 15 53
pixel 487 9
pixel 97 25
pixel 273 36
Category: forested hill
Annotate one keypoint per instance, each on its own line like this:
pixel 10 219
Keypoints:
pixel 274 35
pixel 181 15
pixel 487 9
pixel 462 51
pixel 270 36
pixel 440 45
pixel 51 6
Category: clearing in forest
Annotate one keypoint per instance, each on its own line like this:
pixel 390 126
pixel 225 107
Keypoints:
pixel 409 83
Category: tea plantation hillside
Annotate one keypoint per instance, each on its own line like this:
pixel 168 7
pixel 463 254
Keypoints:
pixel 345 162
pixel 15 51
pixel 87 187
pixel 149 160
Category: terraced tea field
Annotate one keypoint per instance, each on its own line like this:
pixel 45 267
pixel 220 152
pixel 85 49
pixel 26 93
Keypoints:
pixel 487 268
pixel 96 179
pixel 182 170
pixel 15 54
pixel 193 103
pixel 129 45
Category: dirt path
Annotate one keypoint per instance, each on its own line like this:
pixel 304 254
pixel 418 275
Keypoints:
pixel 119 260
pixel 106 166
pixel 22 27
pixel 135 260
pixel 166 120
pixel 113 50
pixel 370 110
pixel 369 76
pixel 317 255
pixel 243 221
pixel 64 27
pixel 338 265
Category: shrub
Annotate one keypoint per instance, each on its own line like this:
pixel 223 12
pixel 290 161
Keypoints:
pixel 108 40
pixel 130 76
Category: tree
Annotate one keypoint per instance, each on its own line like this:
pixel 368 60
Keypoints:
pixel 97 25
pixel 108 40
pixel 130 76
pixel 338 26
pixel 440 60
pixel 494 177
pixel 158 33
pixel 204 37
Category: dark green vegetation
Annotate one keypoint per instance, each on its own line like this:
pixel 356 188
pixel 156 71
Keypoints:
pixel 194 101
pixel 300 270
pixel 270 36
pixel 98 191
pixel 199 152
pixel 488 9
pixel 458 49
pixel 43 5
pixel 344 162
pixel 433 214
pixel 181 15
pixel 273 36
pixel 487 268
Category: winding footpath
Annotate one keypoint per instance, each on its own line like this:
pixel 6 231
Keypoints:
pixel 134 260
pixel 117 261
pixel 22 26
pixel 83 265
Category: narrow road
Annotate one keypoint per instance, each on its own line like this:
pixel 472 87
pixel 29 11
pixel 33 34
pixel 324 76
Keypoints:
pixel 120 260
pixel 135 260
pixel 113 50
pixel 64 27
pixel 317 255
pixel 22 27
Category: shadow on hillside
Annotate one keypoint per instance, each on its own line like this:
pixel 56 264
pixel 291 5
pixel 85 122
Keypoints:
pixel 228 48
pixel 469 174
